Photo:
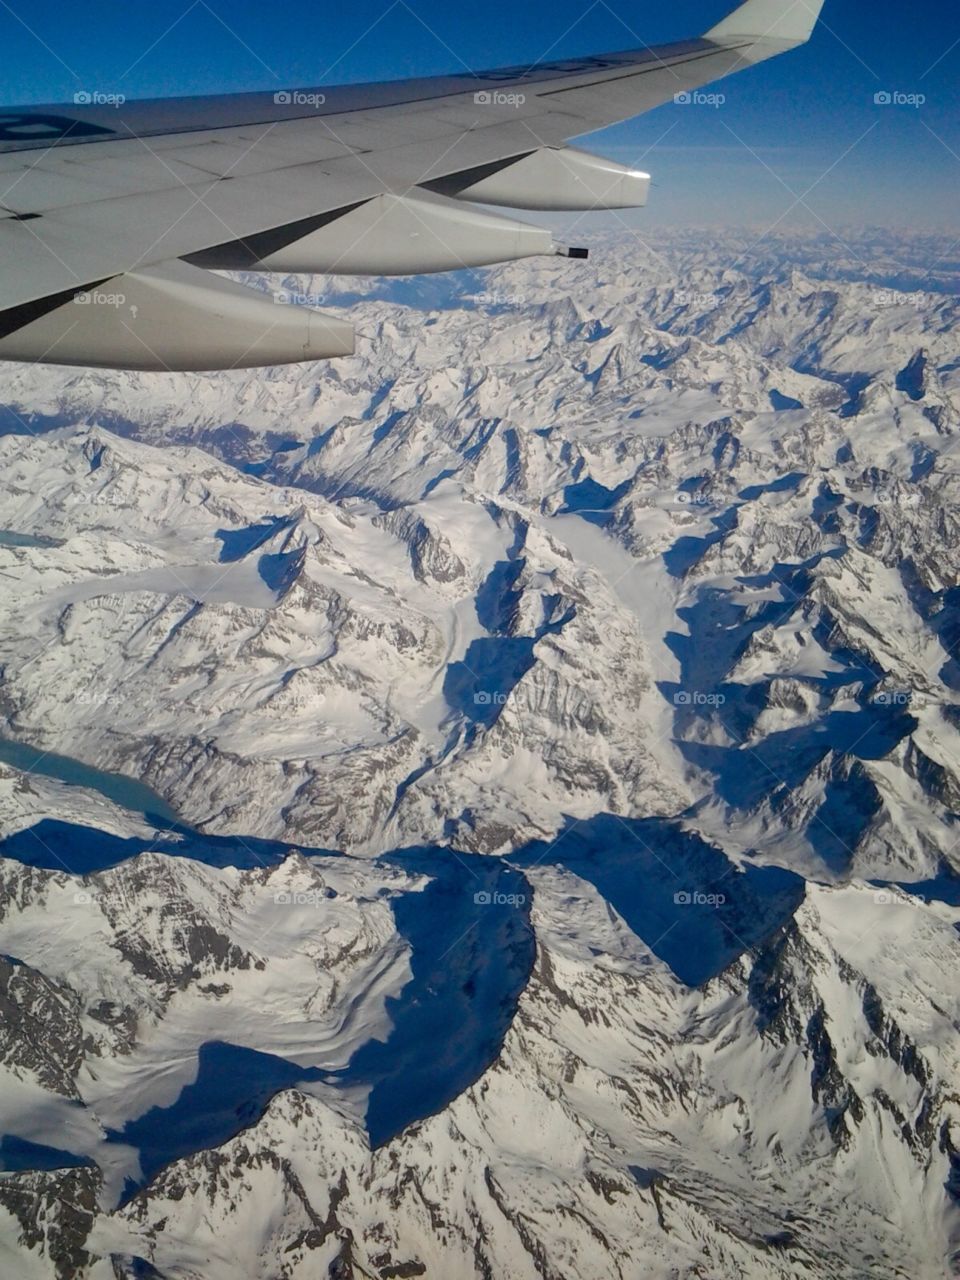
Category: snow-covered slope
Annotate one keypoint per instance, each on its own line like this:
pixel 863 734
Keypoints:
pixel 346 676
pixel 488 807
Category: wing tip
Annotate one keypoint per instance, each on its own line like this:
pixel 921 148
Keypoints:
pixel 789 21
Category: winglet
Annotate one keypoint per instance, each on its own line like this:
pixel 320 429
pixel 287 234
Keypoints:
pixel 786 21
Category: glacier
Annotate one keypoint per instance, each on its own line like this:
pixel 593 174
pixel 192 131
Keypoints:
pixel 487 806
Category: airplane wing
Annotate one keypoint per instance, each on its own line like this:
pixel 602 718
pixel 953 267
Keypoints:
pixel 114 215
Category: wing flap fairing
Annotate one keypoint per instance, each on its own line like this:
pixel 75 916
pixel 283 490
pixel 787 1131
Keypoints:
pixel 172 318
pixel 406 235
pixel 552 178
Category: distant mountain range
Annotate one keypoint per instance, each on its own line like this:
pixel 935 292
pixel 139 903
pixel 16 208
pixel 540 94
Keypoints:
pixel 542 857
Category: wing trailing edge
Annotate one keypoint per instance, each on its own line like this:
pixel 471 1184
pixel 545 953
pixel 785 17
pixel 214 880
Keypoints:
pixel 134 200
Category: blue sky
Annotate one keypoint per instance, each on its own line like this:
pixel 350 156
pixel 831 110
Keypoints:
pixel 802 125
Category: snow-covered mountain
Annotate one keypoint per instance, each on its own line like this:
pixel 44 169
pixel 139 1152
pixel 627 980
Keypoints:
pixel 487 807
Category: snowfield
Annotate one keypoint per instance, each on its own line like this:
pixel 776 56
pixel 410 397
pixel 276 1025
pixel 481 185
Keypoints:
pixel 488 807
